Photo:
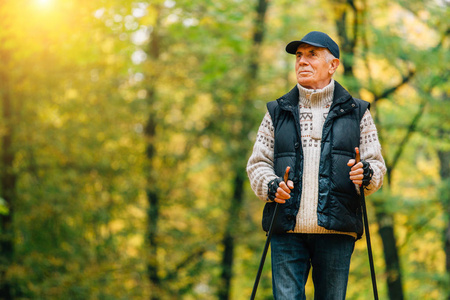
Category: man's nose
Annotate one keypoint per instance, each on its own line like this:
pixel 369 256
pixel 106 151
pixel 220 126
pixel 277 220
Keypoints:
pixel 302 61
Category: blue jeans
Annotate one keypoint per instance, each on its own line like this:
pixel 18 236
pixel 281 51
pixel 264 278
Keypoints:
pixel 293 254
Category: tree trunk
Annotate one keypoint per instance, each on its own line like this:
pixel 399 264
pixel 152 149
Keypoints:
pixel 351 14
pixel 153 195
pixel 386 231
pixel 346 10
pixel 152 266
pixel 7 183
pixel 229 236
pixel 228 240
pixel 444 159
pixel 386 220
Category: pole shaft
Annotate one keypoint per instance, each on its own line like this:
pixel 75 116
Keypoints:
pixel 263 257
pixel 369 245
pixel 366 228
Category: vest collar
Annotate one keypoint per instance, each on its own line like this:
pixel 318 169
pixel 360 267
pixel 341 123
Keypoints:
pixel 290 100
pixel 340 94
pixel 341 99
pixel 343 102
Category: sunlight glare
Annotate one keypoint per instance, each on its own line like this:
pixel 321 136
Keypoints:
pixel 44 2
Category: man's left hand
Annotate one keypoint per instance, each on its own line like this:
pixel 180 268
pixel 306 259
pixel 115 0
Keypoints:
pixel 356 173
pixel 360 173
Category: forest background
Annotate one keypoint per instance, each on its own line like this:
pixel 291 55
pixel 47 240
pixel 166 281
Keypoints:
pixel 126 126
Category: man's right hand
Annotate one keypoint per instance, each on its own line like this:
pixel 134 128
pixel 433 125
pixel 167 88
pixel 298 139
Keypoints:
pixel 282 193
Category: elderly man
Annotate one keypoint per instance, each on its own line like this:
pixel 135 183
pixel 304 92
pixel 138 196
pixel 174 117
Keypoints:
pixel 314 129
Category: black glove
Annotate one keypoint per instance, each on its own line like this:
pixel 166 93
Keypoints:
pixel 272 188
pixel 368 173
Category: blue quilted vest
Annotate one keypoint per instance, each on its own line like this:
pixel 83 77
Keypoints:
pixel 338 203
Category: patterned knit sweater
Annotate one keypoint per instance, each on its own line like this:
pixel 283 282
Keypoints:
pixel 314 106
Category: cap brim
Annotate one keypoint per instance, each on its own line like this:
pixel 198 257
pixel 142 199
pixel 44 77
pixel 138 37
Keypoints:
pixel 293 46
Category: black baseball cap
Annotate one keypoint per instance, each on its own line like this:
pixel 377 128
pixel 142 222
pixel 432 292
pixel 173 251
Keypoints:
pixel 315 38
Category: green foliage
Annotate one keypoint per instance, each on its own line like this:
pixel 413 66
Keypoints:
pixel 79 75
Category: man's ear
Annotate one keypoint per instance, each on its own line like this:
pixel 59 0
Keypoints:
pixel 334 65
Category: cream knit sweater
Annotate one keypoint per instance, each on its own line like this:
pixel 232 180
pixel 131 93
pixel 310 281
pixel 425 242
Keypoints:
pixel 314 106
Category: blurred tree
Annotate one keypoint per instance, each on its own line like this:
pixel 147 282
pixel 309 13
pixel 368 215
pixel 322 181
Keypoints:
pixel 352 25
pixel 153 190
pixel 8 181
pixel 126 127
pixel 71 151
pixel 354 28
pixel 444 160
pixel 238 136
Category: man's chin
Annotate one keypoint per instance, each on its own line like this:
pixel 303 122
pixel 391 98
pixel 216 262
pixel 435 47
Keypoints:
pixel 304 81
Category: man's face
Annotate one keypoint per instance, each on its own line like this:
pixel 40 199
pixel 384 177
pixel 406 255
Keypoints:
pixel 311 67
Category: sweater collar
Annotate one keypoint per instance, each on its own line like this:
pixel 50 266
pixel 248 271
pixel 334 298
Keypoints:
pixel 322 96
pixel 290 100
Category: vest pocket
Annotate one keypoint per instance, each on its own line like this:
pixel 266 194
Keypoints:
pixel 340 173
pixel 344 213
pixel 268 211
pixel 283 160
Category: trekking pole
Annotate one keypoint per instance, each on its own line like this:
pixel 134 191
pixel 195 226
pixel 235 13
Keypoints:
pixel 366 228
pixel 266 247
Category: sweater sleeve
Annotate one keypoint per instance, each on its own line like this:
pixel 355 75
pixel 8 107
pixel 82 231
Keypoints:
pixel 260 168
pixel 370 150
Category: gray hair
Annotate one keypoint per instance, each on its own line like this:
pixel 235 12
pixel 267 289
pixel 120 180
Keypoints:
pixel 328 56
